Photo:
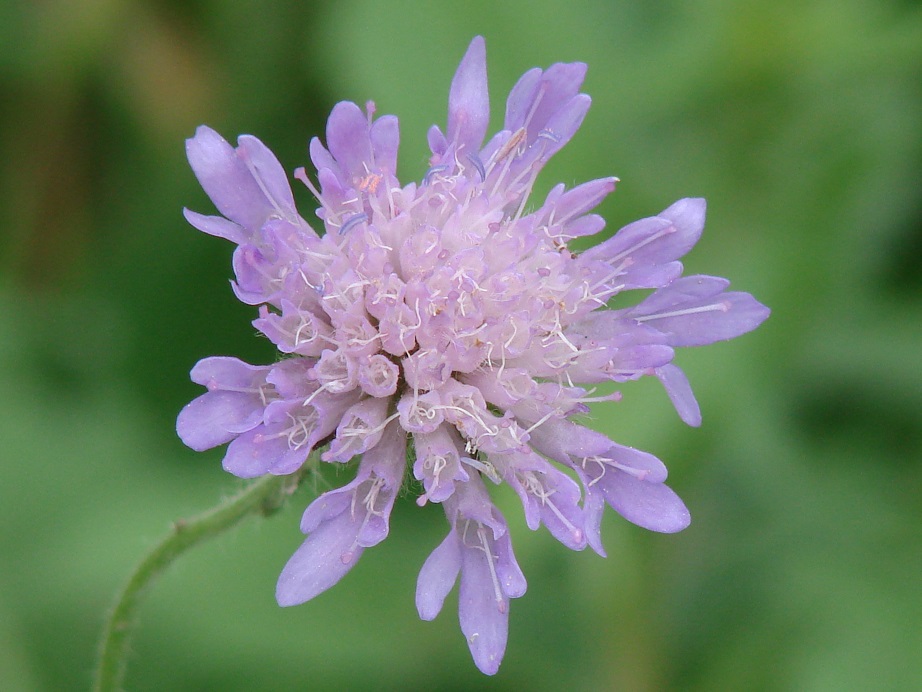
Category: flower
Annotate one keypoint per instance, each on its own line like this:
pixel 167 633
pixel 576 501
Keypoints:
pixel 449 315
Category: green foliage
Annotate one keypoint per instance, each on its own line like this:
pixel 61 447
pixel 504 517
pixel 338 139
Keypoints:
pixel 800 124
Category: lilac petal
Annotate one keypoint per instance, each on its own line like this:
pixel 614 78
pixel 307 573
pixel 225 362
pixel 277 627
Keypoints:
pixel 503 388
pixel 693 311
pixel 632 359
pixel 242 192
pixel 342 523
pixel 438 143
pixel 220 372
pixel 563 440
pixel 552 498
pixel 385 141
pixel 687 215
pixel 630 480
pixel 369 498
pixel 520 99
pixel 378 376
pixel 295 330
pixel 628 240
pixel 438 462
pixel 234 403
pixel 269 176
pixel 657 239
pixel 594 469
pixel 290 379
pixel 653 506
pixel 484 613
pixel 538 95
pixel 645 251
pixel 321 561
pixel 387 461
pixel 473 503
pixel 620 364
pixel 593 509
pixel 420 413
pixel 217 417
pixel 361 427
pixel 680 393
pixel 584 197
pixel 564 123
pixel 328 411
pixel 216 226
pixel 583 226
pixel 282 443
pixel 331 504
pixel 252 286
pixel 569 207
pixel 262 450
pixel 639 464
pixel 224 177
pixel 348 140
pixel 484 622
pixel 649 275
pixel 616 328
pixel 320 156
pixel 510 574
pixel 335 190
pixel 469 99
pixel 437 577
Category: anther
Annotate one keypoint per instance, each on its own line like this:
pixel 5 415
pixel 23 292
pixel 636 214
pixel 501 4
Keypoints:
pixel 353 221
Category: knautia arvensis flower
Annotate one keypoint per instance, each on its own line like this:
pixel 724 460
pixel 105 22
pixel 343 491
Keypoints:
pixel 450 318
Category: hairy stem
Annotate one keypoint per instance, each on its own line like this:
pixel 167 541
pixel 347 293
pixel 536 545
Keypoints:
pixel 264 496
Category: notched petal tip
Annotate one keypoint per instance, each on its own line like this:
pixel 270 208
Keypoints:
pixel 203 134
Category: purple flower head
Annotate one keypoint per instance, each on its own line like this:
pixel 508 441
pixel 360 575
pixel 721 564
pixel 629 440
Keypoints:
pixel 449 317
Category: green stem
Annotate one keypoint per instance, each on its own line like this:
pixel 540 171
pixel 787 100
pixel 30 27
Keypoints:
pixel 264 496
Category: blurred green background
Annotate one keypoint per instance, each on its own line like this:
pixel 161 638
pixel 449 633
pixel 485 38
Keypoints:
pixel 801 122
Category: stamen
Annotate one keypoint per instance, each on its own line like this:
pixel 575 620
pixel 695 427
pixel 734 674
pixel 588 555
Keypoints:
pixel 262 186
pixel 614 396
pixel 497 590
pixel 595 460
pixel 478 164
pixel 353 220
pixel 513 144
pixel 371 497
pixel 301 174
pixel 434 171
pixel 366 432
pixel 639 474
pixel 715 307
pixel 646 241
pixel 542 89
pixel 489 431
pixel 297 435
pixel 544 419
pixel 577 533
pixel 485 467
pixel 331 385
pixel 369 184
